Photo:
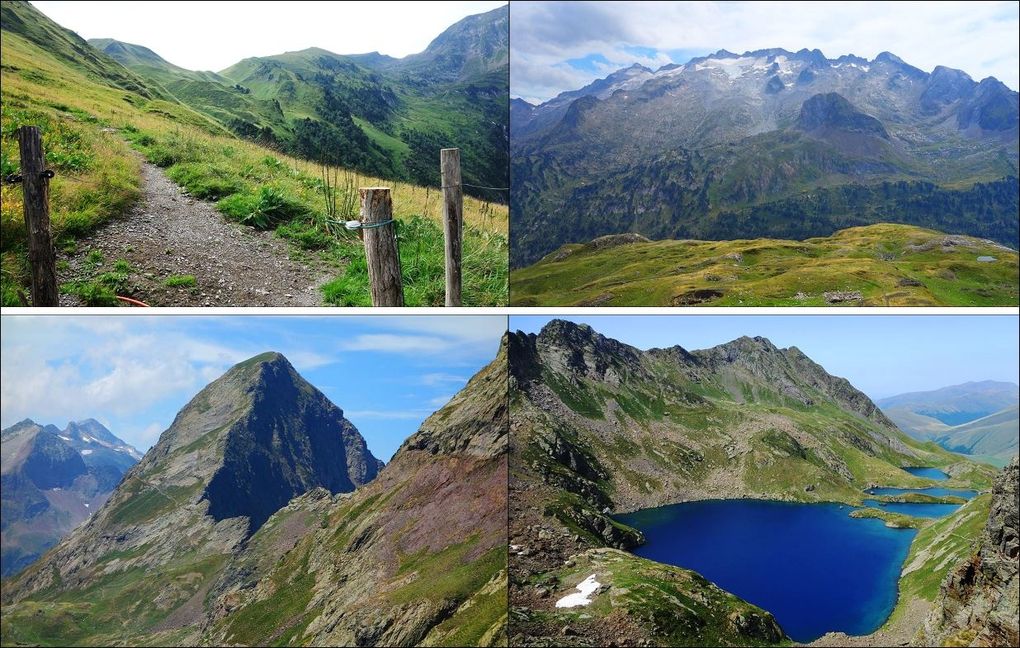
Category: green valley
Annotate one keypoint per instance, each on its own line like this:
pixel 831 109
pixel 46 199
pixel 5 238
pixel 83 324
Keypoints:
pixel 107 114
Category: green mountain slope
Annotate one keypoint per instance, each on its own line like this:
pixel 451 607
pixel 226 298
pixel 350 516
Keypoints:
pixel 600 427
pixel 380 115
pixel 877 265
pixel 294 534
pixel 94 129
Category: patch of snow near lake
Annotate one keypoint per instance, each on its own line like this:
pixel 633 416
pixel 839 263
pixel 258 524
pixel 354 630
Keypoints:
pixel 584 590
pixel 64 437
pixel 86 452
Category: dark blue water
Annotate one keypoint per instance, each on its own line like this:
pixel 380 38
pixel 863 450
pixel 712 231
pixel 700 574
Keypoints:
pixel 812 566
pixel 935 492
pixel 914 509
pixel 928 473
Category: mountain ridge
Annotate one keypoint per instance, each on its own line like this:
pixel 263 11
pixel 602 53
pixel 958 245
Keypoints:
pixel 52 481
pixel 710 150
pixel 377 113
pixel 412 555
pixel 601 428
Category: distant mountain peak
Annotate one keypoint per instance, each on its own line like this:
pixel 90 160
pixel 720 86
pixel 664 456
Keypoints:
pixel 831 110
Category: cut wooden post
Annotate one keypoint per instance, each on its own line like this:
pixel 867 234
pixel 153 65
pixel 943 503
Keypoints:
pixel 453 221
pixel 381 246
pixel 35 182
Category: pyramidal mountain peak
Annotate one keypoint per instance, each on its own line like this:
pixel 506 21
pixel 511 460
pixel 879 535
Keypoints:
pixel 262 496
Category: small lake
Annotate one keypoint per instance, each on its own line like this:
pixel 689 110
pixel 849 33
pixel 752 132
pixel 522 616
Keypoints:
pixel 914 509
pixel 928 473
pixel 812 566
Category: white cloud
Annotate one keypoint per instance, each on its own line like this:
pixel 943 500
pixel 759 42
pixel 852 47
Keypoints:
pixel 977 37
pixel 439 401
pixel 304 360
pixel 391 343
pixel 215 35
pixel 150 434
pixel 434 379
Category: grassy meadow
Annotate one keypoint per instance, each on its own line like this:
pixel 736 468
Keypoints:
pixel 888 265
pixel 96 134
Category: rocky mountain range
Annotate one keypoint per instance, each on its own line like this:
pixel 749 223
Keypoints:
pixel 979 601
pixel 599 427
pixel 975 418
pixel 769 143
pixel 374 113
pixel 52 480
pixel 261 517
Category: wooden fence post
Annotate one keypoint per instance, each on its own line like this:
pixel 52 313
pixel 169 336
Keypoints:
pixel 381 246
pixel 35 182
pixel 453 221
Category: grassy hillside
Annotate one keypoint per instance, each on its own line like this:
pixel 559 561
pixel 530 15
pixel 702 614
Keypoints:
pixel 381 116
pixel 888 265
pixel 97 117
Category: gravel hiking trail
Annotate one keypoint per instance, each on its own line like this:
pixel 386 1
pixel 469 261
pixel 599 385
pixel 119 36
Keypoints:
pixel 171 234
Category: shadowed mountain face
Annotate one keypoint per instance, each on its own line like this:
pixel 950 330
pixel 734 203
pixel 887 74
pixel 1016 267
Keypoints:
pixel 765 144
pixel 260 517
pixel 293 439
pixel 52 480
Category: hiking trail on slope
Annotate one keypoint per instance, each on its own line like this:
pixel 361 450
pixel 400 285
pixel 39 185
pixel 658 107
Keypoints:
pixel 169 233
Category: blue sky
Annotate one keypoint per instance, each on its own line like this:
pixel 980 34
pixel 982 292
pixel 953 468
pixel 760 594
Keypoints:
pixel 214 35
pixel 134 373
pixel 559 46
pixel 882 355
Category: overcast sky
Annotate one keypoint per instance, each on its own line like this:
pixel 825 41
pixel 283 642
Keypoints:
pixel 215 35
pixel 134 373
pixel 882 355
pixel 558 46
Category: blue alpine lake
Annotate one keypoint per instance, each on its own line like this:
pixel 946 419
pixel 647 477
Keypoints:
pixel 914 509
pixel 812 566
pixel 928 473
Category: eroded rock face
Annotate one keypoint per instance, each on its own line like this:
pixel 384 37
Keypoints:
pixel 978 602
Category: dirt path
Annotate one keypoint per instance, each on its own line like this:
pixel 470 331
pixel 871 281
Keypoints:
pixel 169 233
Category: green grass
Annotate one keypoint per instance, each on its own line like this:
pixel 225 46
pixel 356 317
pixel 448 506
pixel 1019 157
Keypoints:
pixel 876 260
pixel 91 119
pixel 180 281
pixel 146 502
pixel 677 607
pixel 280 615
pixel 112 607
pixel 447 574
pixel 938 548
pixel 893 520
